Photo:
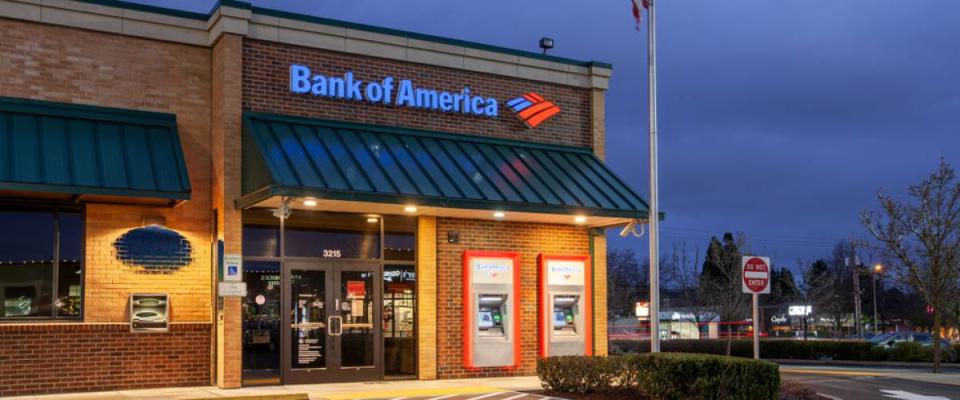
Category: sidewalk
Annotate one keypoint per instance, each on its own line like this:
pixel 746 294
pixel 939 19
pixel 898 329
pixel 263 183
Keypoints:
pixel 332 391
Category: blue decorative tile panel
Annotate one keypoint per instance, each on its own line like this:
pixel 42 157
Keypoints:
pixel 154 248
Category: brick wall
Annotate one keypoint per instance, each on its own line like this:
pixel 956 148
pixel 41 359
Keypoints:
pixel 71 65
pixel 57 358
pixel 526 238
pixel 266 88
pixel 77 66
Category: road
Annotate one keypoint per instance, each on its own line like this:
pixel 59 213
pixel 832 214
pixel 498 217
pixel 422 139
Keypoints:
pixel 855 383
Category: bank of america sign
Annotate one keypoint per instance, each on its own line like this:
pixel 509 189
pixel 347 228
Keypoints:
pixel 531 108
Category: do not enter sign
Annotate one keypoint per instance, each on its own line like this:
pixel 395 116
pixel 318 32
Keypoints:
pixel 756 275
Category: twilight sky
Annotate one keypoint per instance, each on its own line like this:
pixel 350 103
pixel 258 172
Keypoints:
pixel 778 119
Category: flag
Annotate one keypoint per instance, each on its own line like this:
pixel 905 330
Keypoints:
pixel 637 4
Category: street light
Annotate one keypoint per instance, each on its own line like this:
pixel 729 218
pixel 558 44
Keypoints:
pixel 877 270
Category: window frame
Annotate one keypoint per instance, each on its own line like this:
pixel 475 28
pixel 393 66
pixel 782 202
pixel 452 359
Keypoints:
pixel 56 208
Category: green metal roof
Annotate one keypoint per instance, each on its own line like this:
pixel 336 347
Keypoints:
pixel 87 150
pixel 342 161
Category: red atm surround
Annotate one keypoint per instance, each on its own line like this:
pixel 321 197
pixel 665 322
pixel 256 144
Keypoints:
pixel 544 319
pixel 468 303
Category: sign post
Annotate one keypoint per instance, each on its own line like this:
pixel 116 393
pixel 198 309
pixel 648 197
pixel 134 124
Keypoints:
pixel 756 281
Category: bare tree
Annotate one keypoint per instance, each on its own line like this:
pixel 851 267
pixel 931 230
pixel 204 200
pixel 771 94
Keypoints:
pixel 626 280
pixel 924 236
pixel 721 281
pixel 816 288
pixel 684 275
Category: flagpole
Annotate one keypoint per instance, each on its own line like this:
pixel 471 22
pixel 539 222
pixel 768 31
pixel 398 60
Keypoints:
pixel 654 216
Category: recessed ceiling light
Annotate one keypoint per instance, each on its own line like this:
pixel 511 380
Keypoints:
pixel 310 202
pixel 580 219
pixel 372 220
pixel 499 214
pixel 410 209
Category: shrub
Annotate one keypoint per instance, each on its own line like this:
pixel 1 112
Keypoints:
pixel 910 351
pixel 577 374
pixel 663 376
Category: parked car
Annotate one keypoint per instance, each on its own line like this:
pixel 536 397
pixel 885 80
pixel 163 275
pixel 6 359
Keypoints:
pixel 888 340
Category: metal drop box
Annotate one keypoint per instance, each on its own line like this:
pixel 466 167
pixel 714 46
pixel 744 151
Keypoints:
pixel 149 312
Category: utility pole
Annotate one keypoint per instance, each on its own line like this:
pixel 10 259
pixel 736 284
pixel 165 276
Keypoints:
pixel 654 215
pixel 877 269
pixel 856 290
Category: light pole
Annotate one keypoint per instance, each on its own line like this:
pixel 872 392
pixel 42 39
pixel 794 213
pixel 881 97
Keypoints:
pixel 877 270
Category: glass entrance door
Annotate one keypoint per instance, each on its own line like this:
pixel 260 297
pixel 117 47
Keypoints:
pixel 331 335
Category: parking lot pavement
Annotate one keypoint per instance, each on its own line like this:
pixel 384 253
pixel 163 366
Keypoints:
pixel 876 383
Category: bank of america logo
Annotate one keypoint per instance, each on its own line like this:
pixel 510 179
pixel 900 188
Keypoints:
pixel 533 109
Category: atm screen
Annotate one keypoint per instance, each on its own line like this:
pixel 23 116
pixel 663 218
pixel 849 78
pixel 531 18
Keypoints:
pixel 486 320
pixel 559 319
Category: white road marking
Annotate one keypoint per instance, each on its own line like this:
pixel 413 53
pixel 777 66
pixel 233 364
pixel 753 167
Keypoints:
pixel 900 394
pixel 828 397
pixel 486 395
pixel 446 396
pixel 515 397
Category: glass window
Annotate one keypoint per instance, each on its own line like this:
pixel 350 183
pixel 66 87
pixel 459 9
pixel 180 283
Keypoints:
pixel 34 282
pixel 399 240
pixel 261 323
pixel 399 319
pixel 331 235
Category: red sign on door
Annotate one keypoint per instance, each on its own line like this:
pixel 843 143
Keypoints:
pixel 356 289
pixel 756 275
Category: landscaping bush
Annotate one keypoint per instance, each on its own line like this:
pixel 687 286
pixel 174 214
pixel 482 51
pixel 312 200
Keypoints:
pixel 911 352
pixel 663 376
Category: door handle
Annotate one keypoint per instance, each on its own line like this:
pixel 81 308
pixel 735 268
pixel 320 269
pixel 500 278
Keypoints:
pixel 335 326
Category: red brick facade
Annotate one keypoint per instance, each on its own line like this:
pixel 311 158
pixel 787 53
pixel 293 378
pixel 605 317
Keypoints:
pixel 525 238
pixel 266 88
pixel 208 86
pixel 79 66
pixel 58 358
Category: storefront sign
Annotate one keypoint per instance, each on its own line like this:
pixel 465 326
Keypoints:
pixel 402 93
pixel 533 109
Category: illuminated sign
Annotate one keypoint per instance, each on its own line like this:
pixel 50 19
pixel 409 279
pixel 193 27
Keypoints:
pixel 533 109
pixel 402 93
pixel 799 311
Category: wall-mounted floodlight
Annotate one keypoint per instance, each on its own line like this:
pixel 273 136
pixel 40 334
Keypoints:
pixel 546 44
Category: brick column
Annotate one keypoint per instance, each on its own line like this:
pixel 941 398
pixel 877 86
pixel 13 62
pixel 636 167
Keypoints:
pixel 227 59
pixel 599 239
pixel 427 297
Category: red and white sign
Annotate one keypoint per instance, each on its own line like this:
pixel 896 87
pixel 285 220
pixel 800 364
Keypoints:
pixel 756 274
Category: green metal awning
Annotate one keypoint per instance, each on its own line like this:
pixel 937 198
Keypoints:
pixel 76 150
pixel 290 156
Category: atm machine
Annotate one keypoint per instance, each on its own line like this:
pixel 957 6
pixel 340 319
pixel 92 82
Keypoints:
pixel 566 307
pixel 491 312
